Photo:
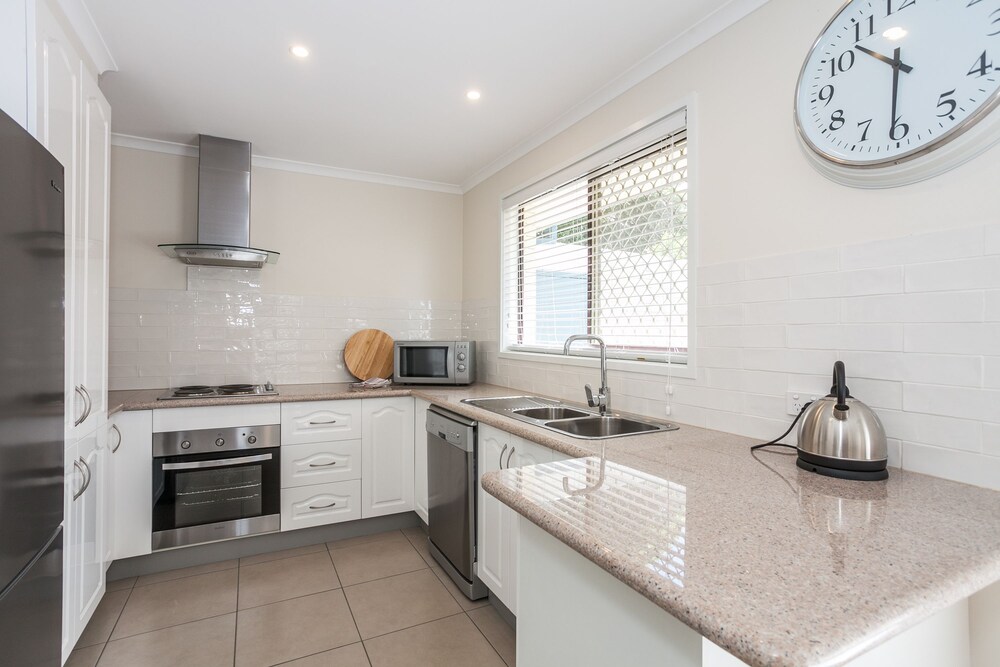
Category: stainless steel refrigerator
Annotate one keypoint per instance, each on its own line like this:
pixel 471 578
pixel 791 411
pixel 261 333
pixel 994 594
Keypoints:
pixel 32 250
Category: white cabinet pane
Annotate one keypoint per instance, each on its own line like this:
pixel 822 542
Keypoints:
pixel 387 456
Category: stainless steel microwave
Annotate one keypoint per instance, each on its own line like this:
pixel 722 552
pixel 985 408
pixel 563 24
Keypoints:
pixel 434 362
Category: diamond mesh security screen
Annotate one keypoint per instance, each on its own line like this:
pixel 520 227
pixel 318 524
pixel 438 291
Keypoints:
pixel 606 254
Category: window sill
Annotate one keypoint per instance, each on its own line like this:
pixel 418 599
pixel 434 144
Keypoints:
pixel 644 367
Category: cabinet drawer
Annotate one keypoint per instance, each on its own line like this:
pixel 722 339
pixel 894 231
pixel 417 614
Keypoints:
pixel 320 504
pixel 320 421
pixel 320 462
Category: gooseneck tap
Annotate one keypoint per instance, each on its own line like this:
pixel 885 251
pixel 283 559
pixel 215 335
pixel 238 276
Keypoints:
pixel 603 399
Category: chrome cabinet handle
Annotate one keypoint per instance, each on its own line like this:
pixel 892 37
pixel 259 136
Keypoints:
pixel 322 465
pixel 90 403
pixel 216 463
pixel 509 457
pixel 327 423
pixel 86 484
pixel 500 462
pixel 78 464
pixel 79 390
pixel 114 427
pixel 323 507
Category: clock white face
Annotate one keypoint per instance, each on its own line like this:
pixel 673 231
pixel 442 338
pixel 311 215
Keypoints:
pixel 890 79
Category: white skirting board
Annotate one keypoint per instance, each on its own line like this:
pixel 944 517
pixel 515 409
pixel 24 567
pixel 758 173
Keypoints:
pixel 572 612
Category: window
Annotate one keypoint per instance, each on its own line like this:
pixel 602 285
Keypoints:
pixel 604 253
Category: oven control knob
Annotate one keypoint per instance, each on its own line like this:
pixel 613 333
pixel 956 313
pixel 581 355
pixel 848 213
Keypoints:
pixel 461 356
pixel 252 439
pixel 461 367
pixel 219 442
pixel 186 444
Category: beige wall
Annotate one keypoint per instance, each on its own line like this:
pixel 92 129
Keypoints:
pixel 756 193
pixel 336 237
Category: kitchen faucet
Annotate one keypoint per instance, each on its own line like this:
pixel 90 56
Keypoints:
pixel 603 399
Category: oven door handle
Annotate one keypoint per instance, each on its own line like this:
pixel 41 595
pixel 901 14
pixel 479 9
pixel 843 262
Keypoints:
pixel 217 463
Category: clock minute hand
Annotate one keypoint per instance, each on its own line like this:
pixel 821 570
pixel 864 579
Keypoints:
pixel 894 63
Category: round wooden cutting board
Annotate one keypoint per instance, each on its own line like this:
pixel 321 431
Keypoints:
pixel 368 354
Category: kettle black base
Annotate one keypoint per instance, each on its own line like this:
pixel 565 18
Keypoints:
pixel 863 471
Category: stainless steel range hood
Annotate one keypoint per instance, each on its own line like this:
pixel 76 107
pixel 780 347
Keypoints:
pixel 223 209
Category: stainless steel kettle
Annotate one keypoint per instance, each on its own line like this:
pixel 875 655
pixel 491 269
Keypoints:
pixel 841 437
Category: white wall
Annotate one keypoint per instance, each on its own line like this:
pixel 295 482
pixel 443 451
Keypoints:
pixel 915 318
pixel 353 255
pixel 14 60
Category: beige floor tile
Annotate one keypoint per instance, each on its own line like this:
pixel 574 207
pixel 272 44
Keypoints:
pixel 170 575
pixel 375 560
pixel 450 642
pixel 205 643
pixel 293 629
pixel 180 601
pixel 418 538
pixel 121 584
pixel 497 632
pixel 399 602
pixel 103 621
pixel 287 578
pixel 464 602
pixel 278 555
pixel 363 539
pixel 345 656
pixel 85 657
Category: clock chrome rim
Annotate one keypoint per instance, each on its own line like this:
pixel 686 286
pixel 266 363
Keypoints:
pixel 960 128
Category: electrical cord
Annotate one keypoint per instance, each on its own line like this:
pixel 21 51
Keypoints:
pixel 777 441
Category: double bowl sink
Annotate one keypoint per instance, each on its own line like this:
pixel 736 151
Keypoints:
pixel 574 422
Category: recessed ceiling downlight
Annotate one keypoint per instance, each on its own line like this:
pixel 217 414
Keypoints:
pixel 299 51
pixel 473 95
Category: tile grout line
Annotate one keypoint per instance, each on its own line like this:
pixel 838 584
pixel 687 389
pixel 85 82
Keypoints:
pixel 410 627
pixel 111 634
pixel 488 641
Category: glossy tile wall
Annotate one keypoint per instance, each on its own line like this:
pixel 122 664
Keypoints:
pixel 227 327
pixel 915 319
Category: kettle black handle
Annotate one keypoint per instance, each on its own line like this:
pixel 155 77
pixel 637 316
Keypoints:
pixel 839 388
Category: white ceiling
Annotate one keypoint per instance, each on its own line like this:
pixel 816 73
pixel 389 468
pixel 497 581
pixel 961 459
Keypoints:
pixel 383 90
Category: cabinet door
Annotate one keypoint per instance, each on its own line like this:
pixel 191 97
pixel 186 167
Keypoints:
pixel 494 518
pixel 85 572
pixel 320 462
pixel 92 345
pixel 525 453
pixel 73 479
pixel 320 504
pixel 320 421
pixel 386 456
pixel 132 482
pixel 420 497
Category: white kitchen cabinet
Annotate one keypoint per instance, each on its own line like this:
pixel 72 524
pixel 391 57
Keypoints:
pixel 130 449
pixel 320 421
pixel 320 462
pixel 320 504
pixel 420 496
pixel 74 123
pixel 497 524
pixel 387 456
pixel 84 533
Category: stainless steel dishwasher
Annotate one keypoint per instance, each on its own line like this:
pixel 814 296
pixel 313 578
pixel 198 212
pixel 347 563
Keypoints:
pixel 451 488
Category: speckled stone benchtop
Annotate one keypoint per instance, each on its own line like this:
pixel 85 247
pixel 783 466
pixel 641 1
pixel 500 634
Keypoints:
pixel 774 564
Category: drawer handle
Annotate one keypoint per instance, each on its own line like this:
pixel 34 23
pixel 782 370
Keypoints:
pixel 323 507
pixel 322 465
pixel 327 423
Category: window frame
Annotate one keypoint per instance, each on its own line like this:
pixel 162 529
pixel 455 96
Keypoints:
pixel 677 117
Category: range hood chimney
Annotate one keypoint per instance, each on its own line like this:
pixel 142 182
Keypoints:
pixel 223 209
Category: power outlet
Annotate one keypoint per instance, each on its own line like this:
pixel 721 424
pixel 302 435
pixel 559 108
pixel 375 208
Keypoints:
pixel 795 401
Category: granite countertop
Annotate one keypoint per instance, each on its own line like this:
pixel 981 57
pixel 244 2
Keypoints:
pixel 776 565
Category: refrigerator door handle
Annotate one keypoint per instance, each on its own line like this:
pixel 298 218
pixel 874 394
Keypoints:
pixel 114 427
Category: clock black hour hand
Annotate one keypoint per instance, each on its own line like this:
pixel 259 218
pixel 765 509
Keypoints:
pixel 895 63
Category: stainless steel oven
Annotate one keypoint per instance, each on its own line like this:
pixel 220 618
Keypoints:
pixel 434 362
pixel 215 484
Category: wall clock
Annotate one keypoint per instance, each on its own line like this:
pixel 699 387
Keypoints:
pixel 897 91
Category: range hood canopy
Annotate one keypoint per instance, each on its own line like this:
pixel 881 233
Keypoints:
pixel 223 209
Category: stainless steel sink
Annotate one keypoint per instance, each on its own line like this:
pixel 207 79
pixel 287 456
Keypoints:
pixel 554 416
pixel 548 414
pixel 602 427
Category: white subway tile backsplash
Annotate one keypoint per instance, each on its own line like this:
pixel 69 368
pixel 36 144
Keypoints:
pixel 993 306
pixel 960 370
pixel 805 311
pixel 784 360
pixel 991 374
pixel 928 429
pixel 947 244
pixel 960 274
pixel 881 253
pixel 992 245
pixel 771 289
pixel 721 315
pixel 970 468
pixel 962 402
pixel 877 393
pixel 722 273
pixel 813 261
pixel 953 338
pixel 881 280
pixel 846 336
pixel 926 307
pixel 991 439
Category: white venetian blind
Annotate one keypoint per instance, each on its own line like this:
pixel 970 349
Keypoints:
pixel 604 253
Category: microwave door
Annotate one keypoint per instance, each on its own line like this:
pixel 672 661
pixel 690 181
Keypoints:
pixel 432 364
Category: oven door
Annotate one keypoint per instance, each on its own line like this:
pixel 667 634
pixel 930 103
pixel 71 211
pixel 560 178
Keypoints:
pixel 424 363
pixel 217 496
